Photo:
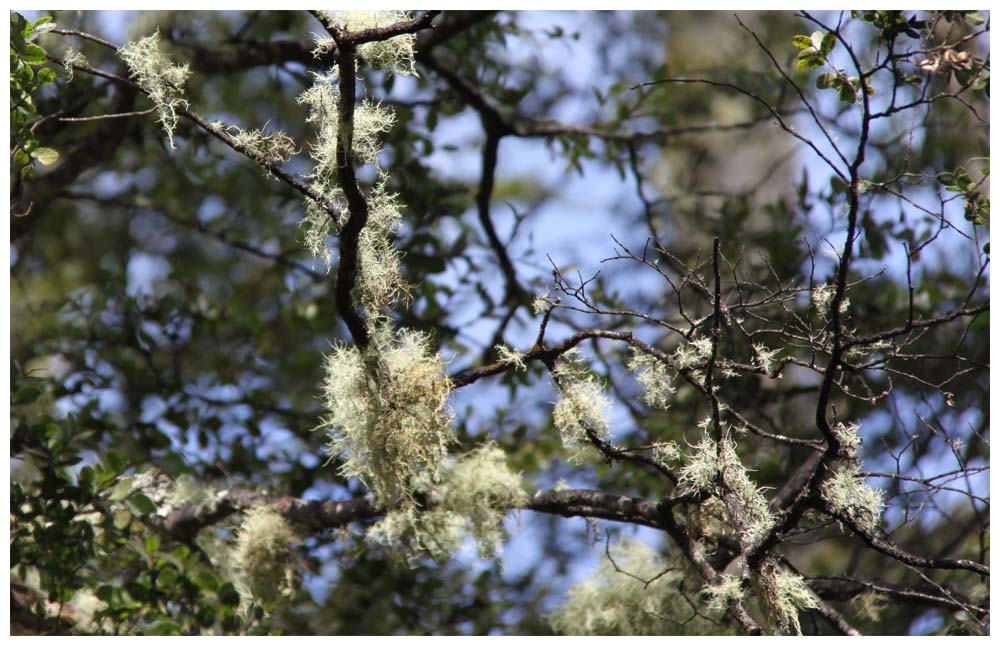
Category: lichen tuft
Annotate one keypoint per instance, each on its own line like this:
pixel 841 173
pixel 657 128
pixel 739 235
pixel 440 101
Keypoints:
pixel 266 554
pixel 161 80
pixel 387 413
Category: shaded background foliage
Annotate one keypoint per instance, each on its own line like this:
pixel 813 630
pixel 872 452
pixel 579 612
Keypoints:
pixel 167 315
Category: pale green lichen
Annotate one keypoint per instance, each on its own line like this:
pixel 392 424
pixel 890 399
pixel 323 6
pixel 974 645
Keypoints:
pixel 380 281
pixel 161 80
pixel 269 147
pixel 409 534
pixel 634 593
pixel 655 379
pixel 387 412
pixel 848 493
pixel 821 297
pixel 722 594
pixel 783 593
pixel 690 353
pixel 666 453
pixel 583 407
pixel 702 473
pixel 513 357
pixel 70 60
pixel 848 436
pixel 394 55
pixel 541 304
pixel 481 488
pixel 266 553
pixel 764 357
pixel 870 605
pixel 370 120
pixel 189 492
pixel 473 497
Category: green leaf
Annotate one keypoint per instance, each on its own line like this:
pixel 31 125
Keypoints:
pixel 141 505
pixel 26 394
pixel 167 578
pixel 115 462
pixel 152 543
pixel 47 156
pixel 205 580
pixel 121 490
pixel 228 595
pixel 46 75
pixel 974 18
pixel 809 59
pixel 104 592
pixel 33 55
pixel 828 42
pixel 816 40
pixel 824 81
pixel 845 90
pixel 801 41
pixel 17 27
pixel 122 518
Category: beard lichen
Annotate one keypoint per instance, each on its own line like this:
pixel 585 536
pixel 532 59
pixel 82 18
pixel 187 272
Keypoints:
pixel 387 413
pixel 655 379
pixel 161 80
pixel 632 593
pixel 782 593
pixel 266 556
pixel 380 280
pixel 846 492
pixel 370 120
pixel 472 498
pixel 394 55
pixel 583 407
pixel 702 473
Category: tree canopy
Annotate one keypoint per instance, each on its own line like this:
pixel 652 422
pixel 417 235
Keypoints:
pixel 458 322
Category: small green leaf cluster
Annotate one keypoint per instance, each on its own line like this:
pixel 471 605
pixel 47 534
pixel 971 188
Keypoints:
pixel 893 24
pixel 28 75
pixel 813 49
pixel 84 557
pixel 977 200
pixel 814 52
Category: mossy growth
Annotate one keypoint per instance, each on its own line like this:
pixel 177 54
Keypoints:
pixel 268 147
pixel 266 555
pixel 782 593
pixel 370 121
pixel 714 470
pixel 583 406
pixel 847 492
pixel 634 592
pixel 655 378
pixel 474 495
pixel 160 79
pixel 394 55
pixel 387 413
